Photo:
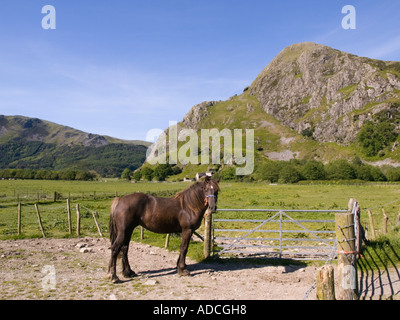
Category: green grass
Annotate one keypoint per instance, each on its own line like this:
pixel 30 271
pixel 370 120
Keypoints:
pixel 97 196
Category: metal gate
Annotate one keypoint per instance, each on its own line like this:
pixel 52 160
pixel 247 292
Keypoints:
pixel 276 233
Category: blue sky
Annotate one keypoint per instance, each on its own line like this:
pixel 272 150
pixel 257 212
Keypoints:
pixel 124 67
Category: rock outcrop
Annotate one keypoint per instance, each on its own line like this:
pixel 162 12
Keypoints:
pixel 325 92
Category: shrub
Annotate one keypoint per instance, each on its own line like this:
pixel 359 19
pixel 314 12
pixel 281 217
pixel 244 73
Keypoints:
pixel 374 137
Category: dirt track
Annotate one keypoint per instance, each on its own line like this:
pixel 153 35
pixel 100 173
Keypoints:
pixel 57 269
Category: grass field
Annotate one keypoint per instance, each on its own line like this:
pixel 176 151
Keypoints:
pixel 96 196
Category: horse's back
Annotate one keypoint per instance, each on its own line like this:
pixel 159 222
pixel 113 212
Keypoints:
pixel 128 209
pixel 160 215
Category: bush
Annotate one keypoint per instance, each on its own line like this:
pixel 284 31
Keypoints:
pixel 374 137
pixel 228 173
pixel 126 174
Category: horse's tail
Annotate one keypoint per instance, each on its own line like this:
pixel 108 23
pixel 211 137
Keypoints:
pixel 112 225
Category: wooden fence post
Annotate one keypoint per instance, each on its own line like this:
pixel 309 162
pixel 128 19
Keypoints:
pixel 398 219
pixel 372 225
pixel 207 234
pixel 39 220
pixel 141 233
pixel 69 217
pixel 347 254
pixel 167 241
pixel 97 224
pixel 385 220
pixel 78 220
pixel 325 283
pixel 19 218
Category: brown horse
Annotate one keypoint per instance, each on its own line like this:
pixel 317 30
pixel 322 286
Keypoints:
pixel 182 213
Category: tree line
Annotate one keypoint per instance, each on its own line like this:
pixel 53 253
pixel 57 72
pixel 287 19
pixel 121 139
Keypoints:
pixel 294 171
pixel 48 174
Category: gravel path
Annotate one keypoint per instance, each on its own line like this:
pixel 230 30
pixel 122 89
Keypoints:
pixel 76 269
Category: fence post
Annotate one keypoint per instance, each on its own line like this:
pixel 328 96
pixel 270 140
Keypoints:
pixel 167 241
pixel 141 233
pixel 78 220
pixel 385 220
pixel 207 234
pixel 372 225
pixel 398 219
pixel 39 220
pixel 19 218
pixel 69 217
pixel 97 224
pixel 325 283
pixel 347 254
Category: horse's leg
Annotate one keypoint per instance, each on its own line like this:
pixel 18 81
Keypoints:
pixel 126 268
pixel 186 235
pixel 115 249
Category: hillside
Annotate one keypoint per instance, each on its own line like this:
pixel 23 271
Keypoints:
pixel 29 143
pixel 315 102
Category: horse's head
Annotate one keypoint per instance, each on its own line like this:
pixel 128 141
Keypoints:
pixel 211 189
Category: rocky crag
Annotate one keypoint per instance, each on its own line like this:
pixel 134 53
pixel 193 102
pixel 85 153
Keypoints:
pixel 310 101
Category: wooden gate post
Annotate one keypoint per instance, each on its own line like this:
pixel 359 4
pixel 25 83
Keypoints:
pixel 207 234
pixel 347 254
pixel 325 283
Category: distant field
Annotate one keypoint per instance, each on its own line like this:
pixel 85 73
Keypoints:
pixel 97 196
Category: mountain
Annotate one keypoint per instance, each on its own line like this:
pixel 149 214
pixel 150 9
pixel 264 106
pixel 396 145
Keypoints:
pixel 31 143
pixel 315 102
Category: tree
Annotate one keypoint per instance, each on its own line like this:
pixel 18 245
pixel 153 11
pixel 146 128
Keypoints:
pixel 392 174
pixel 162 171
pixel 137 175
pixel 340 170
pixel 289 174
pixel 313 170
pixel 228 173
pixel 268 171
pixel 148 173
pixel 126 174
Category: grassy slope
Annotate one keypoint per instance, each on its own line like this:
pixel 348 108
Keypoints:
pixel 270 134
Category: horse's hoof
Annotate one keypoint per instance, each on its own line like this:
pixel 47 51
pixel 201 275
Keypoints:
pixel 130 274
pixel 184 273
pixel 115 279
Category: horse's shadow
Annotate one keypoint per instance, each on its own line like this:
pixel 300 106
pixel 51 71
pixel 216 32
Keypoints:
pixel 225 265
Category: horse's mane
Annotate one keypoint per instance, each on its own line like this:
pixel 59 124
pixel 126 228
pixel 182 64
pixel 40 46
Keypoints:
pixel 193 197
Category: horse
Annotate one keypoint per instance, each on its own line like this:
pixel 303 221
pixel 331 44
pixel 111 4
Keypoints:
pixel 182 213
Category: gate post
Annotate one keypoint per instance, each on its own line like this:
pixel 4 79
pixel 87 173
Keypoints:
pixel 207 234
pixel 347 253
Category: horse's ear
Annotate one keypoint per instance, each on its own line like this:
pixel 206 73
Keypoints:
pixel 207 179
pixel 219 179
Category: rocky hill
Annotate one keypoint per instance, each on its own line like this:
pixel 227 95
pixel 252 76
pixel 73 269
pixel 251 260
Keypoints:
pixel 329 92
pixel 315 102
pixel 30 143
